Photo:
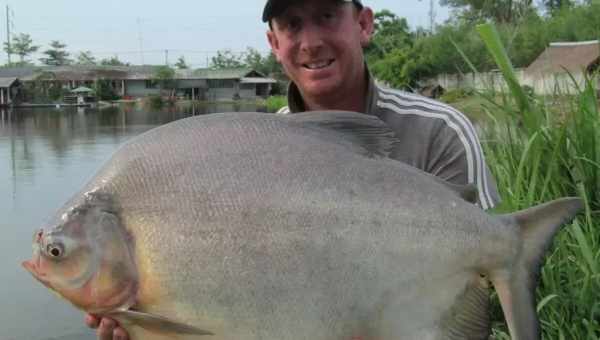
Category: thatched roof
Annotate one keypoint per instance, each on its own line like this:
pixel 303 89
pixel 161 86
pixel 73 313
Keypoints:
pixel 573 57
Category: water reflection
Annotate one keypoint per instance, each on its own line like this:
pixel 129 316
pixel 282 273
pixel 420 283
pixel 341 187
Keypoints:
pixel 46 155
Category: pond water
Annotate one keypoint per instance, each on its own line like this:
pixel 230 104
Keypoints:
pixel 46 155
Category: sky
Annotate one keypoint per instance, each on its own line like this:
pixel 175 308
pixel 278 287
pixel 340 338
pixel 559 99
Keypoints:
pixel 155 32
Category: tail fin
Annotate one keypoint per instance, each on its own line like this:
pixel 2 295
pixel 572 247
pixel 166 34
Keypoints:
pixel 516 286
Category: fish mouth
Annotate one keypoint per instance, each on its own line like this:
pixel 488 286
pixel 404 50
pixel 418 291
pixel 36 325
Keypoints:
pixel 33 266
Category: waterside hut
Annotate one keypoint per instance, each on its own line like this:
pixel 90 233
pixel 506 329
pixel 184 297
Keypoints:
pixel 9 88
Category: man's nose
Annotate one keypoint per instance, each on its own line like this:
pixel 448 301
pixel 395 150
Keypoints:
pixel 311 38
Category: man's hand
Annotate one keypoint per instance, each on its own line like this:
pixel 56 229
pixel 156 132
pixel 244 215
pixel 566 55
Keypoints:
pixel 108 329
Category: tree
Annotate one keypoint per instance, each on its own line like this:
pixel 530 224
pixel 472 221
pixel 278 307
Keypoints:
pixel 226 59
pixel 22 45
pixel 113 61
pixel 391 32
pixel 181 64
pixel 164 76
pixel 57 55
pixel 502 11
pixel 553 6
pixel 85 58
pixel 253 59
pixel 266 65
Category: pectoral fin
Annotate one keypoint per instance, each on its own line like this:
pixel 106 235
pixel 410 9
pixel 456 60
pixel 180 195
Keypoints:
pixel 469 319
pixel 156 323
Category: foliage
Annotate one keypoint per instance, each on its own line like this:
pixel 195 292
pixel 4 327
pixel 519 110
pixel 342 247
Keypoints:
pixel 104 90
pixel 391 33
pixel 57 56
pixel 538 153
pixel 252 59
pixel 274 103
pixel 266 65
pixel 164 76
pixel 85 58
pixel 181 64
pixel 523 31
pixel 226 59
pixel 501 11
pixel 113 61
pixel 21 45
pixel 156 102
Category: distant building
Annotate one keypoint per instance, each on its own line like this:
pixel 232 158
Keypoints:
pixel 561 68
pixel 9 88
pixel 139 81
pixel 561 61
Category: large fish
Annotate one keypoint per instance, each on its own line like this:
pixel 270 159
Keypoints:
pixel 256 226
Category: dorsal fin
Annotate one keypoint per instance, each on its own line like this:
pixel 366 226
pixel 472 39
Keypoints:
pixel 366 131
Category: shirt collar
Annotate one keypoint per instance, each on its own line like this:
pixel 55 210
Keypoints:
pixel 296 103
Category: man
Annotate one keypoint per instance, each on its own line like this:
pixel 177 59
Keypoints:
pixel 319 44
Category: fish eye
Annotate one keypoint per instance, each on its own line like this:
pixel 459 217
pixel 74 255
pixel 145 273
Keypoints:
pixel 55 250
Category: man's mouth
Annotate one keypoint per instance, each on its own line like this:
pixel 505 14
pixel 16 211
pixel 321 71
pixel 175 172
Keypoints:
pixel 318 65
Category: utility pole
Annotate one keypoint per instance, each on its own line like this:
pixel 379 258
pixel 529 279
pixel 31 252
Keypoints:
pixel 8 34
pixel 167 57
pixel 431 15
pixel 141 40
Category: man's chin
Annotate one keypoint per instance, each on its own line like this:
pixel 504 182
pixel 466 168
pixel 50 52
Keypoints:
pixel 321 89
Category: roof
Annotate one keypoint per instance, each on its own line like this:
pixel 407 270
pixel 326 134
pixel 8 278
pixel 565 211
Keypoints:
pixel 231 73
pixel 570 56
pixel 144 72
pixel 7 82
pixel 255 80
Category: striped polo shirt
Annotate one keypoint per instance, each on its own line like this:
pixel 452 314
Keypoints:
pixel 433 136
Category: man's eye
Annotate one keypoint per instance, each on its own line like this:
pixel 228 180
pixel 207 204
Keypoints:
pixel 328 16
pixel 294 25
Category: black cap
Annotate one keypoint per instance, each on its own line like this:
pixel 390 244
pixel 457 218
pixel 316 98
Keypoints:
pixel 275 7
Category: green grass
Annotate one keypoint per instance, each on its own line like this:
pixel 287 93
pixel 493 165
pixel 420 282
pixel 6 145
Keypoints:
pixel 539 150
pixel 274 103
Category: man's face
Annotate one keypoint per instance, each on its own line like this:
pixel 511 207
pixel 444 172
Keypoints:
pixel 319 44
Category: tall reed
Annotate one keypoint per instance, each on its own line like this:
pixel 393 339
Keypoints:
pixel 539 151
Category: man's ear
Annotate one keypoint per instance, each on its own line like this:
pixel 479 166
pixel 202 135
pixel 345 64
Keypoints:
pixel 367 25
pixel 274 42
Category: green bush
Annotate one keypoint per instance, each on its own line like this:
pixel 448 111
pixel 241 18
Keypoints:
pixel 156 101
pixel 104 90
pixel 274 103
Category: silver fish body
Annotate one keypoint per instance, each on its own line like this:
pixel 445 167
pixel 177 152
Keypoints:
pixel 255 226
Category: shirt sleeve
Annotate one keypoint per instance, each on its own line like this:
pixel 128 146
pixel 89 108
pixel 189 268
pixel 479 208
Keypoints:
pixel 459 159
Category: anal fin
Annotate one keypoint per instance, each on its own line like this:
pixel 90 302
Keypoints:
pixel 469 318
pixel 156 323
